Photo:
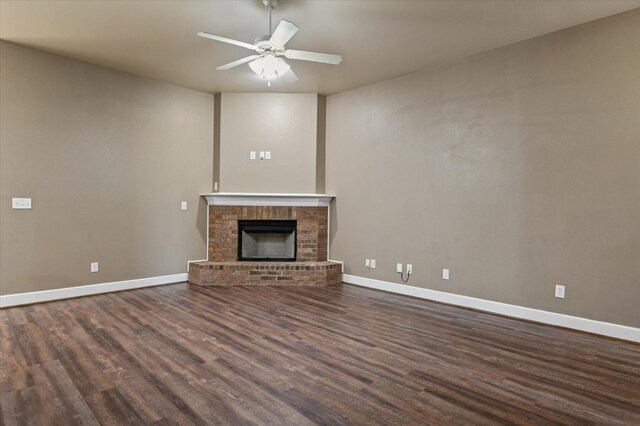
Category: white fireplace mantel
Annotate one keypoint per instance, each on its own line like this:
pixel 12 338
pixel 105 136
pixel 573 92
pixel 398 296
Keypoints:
pixel 262 199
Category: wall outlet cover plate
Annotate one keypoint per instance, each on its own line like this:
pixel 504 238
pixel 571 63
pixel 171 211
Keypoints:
pixel 21 203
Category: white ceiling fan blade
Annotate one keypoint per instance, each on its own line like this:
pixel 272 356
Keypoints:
pixel 238 62
pixel 283 33
pixel 227 40
pixel 313 56
pixel 289 76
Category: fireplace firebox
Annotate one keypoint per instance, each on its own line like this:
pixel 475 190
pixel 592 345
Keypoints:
pixel 267 240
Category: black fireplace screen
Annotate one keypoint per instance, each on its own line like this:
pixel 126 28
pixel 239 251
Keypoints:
pixel 267 240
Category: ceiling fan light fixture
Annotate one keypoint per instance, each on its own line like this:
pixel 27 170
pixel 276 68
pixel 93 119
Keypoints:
pixel 266 62
pixel 269 67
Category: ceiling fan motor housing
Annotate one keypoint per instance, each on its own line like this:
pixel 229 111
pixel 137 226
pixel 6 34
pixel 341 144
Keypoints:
pixel 263 43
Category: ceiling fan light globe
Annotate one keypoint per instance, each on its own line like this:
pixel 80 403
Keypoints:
pixel 256 66
pixel 269 67
pixel 281 67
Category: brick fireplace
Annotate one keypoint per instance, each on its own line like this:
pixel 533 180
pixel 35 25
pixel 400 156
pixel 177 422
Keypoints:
pixel 306 213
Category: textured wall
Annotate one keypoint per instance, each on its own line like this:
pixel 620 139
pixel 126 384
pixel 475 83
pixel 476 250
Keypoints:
pixel 107 157
pixel 283 123
pixel 517 169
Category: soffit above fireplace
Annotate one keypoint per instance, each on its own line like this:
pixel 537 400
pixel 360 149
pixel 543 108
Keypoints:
pixel 262 199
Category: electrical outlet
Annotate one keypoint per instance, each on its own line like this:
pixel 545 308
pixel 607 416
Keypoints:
pixel 21 203
pixel 559 291
pixel 267 155
pixel 399 267
pixel 215 186
pixel 183 205
pixel 367 263
pixel 373 264
pixel 409 269
pixel 252 155
pixel 262 155
pixel 94 267
pixel 445 274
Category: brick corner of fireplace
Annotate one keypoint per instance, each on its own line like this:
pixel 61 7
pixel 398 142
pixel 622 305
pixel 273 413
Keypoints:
pixel 228 265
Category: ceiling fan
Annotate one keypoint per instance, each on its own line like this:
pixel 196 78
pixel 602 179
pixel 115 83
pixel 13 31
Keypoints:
pixel 267 62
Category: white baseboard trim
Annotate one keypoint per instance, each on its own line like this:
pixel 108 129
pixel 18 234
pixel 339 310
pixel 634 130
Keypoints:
pixel 546 317
pixel 87 290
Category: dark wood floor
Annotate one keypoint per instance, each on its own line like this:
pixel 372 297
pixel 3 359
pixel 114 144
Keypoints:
pixel 339 355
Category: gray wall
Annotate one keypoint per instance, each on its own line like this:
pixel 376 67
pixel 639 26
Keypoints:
pixel 517 169
pixel 283 123
pixel 107 157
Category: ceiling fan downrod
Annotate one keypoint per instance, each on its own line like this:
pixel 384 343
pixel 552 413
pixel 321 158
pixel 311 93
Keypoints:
pixel 270 5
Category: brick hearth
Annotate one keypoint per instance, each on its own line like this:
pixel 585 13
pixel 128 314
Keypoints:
pixel 310 269
pixel 266 273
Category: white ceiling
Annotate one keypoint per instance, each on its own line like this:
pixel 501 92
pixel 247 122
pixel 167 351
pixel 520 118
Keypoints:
pixel 377 39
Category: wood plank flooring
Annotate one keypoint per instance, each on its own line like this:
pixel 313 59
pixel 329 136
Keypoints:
pixel 274 355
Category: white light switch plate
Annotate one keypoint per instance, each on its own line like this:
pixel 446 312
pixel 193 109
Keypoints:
pixel 267 155
pixel 445 274
pixel 399 267
pixel 94 267
pixel 559 291
pixel 367 263
pixel 183 205
pixel 21 203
